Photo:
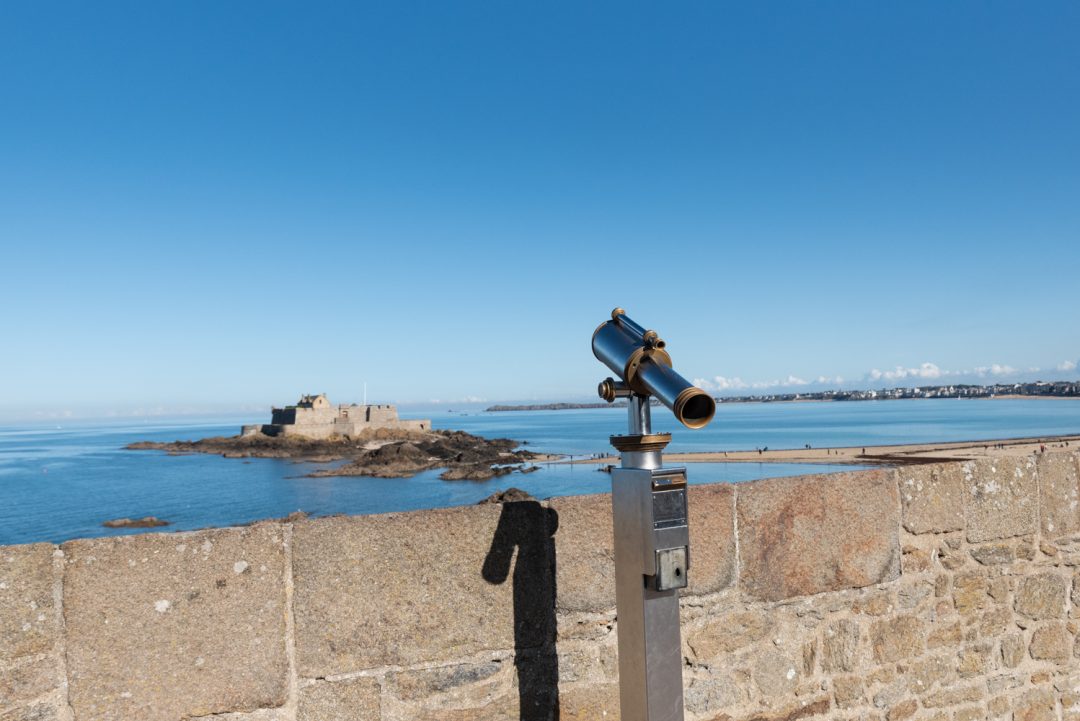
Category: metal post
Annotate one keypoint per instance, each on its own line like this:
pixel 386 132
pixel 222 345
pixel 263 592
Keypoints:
pixel 651 559
pixel 652 536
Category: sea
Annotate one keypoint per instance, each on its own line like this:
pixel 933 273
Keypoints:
pixel 62 481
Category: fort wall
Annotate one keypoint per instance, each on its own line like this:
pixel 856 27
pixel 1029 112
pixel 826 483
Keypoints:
pixel 945 592
pixel 315 417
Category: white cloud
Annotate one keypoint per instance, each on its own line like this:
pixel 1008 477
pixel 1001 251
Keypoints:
pixel 720 383
pixel 924 371
pixel 995 369
pixel 1067 366
pixel 788 382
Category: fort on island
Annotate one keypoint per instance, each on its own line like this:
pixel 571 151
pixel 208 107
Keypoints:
pixel 314 416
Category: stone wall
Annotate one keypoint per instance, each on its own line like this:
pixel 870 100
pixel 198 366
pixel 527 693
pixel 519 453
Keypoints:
pixel 326 422
pixel 947 592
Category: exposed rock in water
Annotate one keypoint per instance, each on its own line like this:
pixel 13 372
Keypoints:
pixel 383 453
pixel 510 495
pixel 476 472
pixel 145 522
pixel 394 460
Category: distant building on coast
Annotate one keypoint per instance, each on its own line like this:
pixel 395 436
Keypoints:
pixel 315 417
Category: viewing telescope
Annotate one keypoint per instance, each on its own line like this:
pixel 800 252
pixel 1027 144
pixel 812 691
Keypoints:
pixel 643 366
pixel 650 517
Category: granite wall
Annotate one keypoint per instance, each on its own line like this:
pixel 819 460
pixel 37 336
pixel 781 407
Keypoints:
pixel 947 592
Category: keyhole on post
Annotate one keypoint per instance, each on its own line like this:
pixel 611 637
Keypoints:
pixel 678 571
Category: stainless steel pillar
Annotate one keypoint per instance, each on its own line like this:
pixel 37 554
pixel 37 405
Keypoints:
pixel 652 537
pixel 651 562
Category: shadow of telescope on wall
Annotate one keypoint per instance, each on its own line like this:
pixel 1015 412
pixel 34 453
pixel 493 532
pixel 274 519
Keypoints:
pixel 529 528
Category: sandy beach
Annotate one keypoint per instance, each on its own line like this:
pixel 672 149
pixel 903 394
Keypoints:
pixel 888 455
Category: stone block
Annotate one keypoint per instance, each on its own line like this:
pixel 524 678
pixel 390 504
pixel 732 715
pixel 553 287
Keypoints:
pixel 948 635
pixel 897 638
pixel 585 554
pixel 719 634
pixel 992 623
pixel 811 534
pixel 588 703
pixel 1051 642
pixel 168 626
pixel 970 713
pixel 926 672
pixel 39 711
pixel 29 620
pixel 1012 650
pixel 998 706
pixel 1006 681
pixel 971 592
pixel 840 646
pixel 775 673
pixel 902 710
pixel 974 661
pixel 848 691
pixel 588 660
pixel 1038 704
pixel 1059 494
pixel 419 684
pixel 1000 498
pixel 407 588
pixel 712 537
pixel 712 690
pixel 911 595
pixel 955 696
pixel 28 680
pixel 994 554
pixel 933 497
pixel 1042 596
pixel 352 700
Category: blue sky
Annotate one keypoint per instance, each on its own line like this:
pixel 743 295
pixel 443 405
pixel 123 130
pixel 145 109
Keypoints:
pixel 223 205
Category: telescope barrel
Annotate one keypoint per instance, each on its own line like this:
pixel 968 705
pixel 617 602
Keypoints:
pixel 646 369
pixel 619 316
pixel 692 406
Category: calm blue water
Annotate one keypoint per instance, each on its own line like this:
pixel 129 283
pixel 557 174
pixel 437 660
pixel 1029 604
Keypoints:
pixel 62 483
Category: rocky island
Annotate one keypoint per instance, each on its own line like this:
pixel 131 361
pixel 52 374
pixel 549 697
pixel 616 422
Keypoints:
pixel 370 438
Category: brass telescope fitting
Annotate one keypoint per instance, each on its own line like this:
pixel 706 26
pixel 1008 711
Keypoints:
pixel 610 389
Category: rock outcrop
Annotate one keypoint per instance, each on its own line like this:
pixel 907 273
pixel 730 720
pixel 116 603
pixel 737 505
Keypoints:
pixel 145 522
pixel 382 453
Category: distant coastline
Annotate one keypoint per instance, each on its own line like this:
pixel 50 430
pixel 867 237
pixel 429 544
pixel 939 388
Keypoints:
pixel 1059 390
pixel 553 407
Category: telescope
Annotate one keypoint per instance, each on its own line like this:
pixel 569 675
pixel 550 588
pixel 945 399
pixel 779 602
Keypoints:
pixel 650 517
pixel 639 357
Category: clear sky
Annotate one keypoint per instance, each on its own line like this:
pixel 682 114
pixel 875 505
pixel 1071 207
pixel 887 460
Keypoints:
pixel 208 204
